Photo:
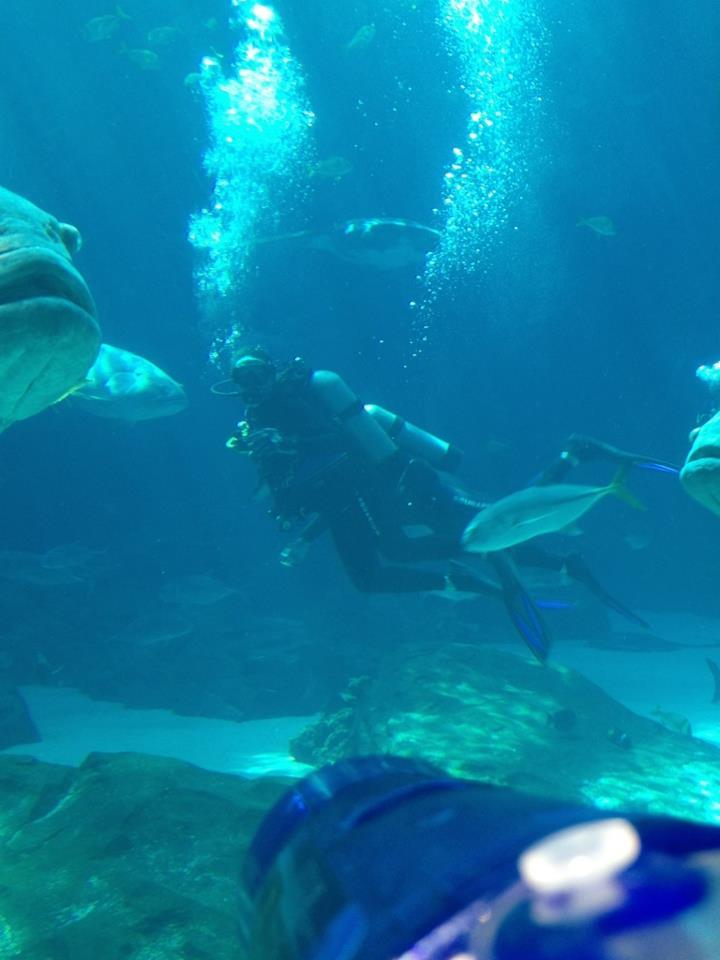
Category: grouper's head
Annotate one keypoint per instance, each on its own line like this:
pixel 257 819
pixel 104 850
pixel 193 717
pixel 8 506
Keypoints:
pixel 701 473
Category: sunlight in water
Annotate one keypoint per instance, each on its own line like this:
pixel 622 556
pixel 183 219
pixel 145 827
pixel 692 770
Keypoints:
pixel 260 147
pixel 497 46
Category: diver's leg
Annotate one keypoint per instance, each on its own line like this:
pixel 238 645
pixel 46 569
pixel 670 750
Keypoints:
pixel 529 554
pixel 356 536
pixel 361 544
pixel 581 449
pixel 356 541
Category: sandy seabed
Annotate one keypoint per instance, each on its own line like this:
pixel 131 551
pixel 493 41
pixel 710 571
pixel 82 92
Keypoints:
pixel 72 725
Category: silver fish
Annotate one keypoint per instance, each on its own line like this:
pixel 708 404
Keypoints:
pixel 536 510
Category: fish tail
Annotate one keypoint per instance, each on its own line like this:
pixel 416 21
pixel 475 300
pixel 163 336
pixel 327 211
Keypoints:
pixel 618 488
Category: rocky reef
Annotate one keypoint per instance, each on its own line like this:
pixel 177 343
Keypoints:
pixel 128 857
pixel 547 730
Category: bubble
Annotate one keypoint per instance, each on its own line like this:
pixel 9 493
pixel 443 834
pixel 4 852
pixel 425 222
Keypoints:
pixel 497 46
pixel 260 146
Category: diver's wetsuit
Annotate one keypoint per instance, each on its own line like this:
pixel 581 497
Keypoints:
pixel 368 509
pixel 415 518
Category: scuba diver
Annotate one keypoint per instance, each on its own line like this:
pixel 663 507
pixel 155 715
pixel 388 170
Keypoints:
pixel 384 490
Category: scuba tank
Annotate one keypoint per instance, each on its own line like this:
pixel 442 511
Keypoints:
pixel 376 432
pixel 416 441
pixel 364 432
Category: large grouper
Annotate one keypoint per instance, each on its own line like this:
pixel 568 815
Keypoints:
pixel 49 336
pixel 700 475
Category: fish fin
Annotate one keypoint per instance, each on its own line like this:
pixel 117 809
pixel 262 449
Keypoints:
pixel 619 489
pixel 68 393
pixel 715 671
pixel 120 13
pixel 522 611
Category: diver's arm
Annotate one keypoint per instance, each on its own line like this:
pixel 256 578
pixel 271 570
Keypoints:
pixel 296 551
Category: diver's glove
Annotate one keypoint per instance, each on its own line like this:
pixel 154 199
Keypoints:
pixel 268 446
pixel 294 553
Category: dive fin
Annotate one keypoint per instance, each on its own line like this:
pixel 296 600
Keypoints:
pixel 576 568
pixel 522 611
pixel 657 465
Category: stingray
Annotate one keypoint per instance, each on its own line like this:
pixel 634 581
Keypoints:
pixel 379 243
pixel 642 643
pixel 49 336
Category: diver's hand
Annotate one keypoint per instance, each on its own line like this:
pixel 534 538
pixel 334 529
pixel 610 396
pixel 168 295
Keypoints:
pixel 294 553
pixel 268 444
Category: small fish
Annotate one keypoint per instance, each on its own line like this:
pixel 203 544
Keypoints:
pixel 603 226
pixel 637 541
pixel 23 566
pixel 163 36
pixel 154 630
pixel 145 59
pixel 196 589
pixel 361 39
pixel 563 720
pixel 535 511
pixel 104 27
pixel 620 738
pixel 69 556
pixel 672 721
pixel 331 168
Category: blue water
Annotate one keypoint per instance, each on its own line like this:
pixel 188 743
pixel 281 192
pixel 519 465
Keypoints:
pixel 557 330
